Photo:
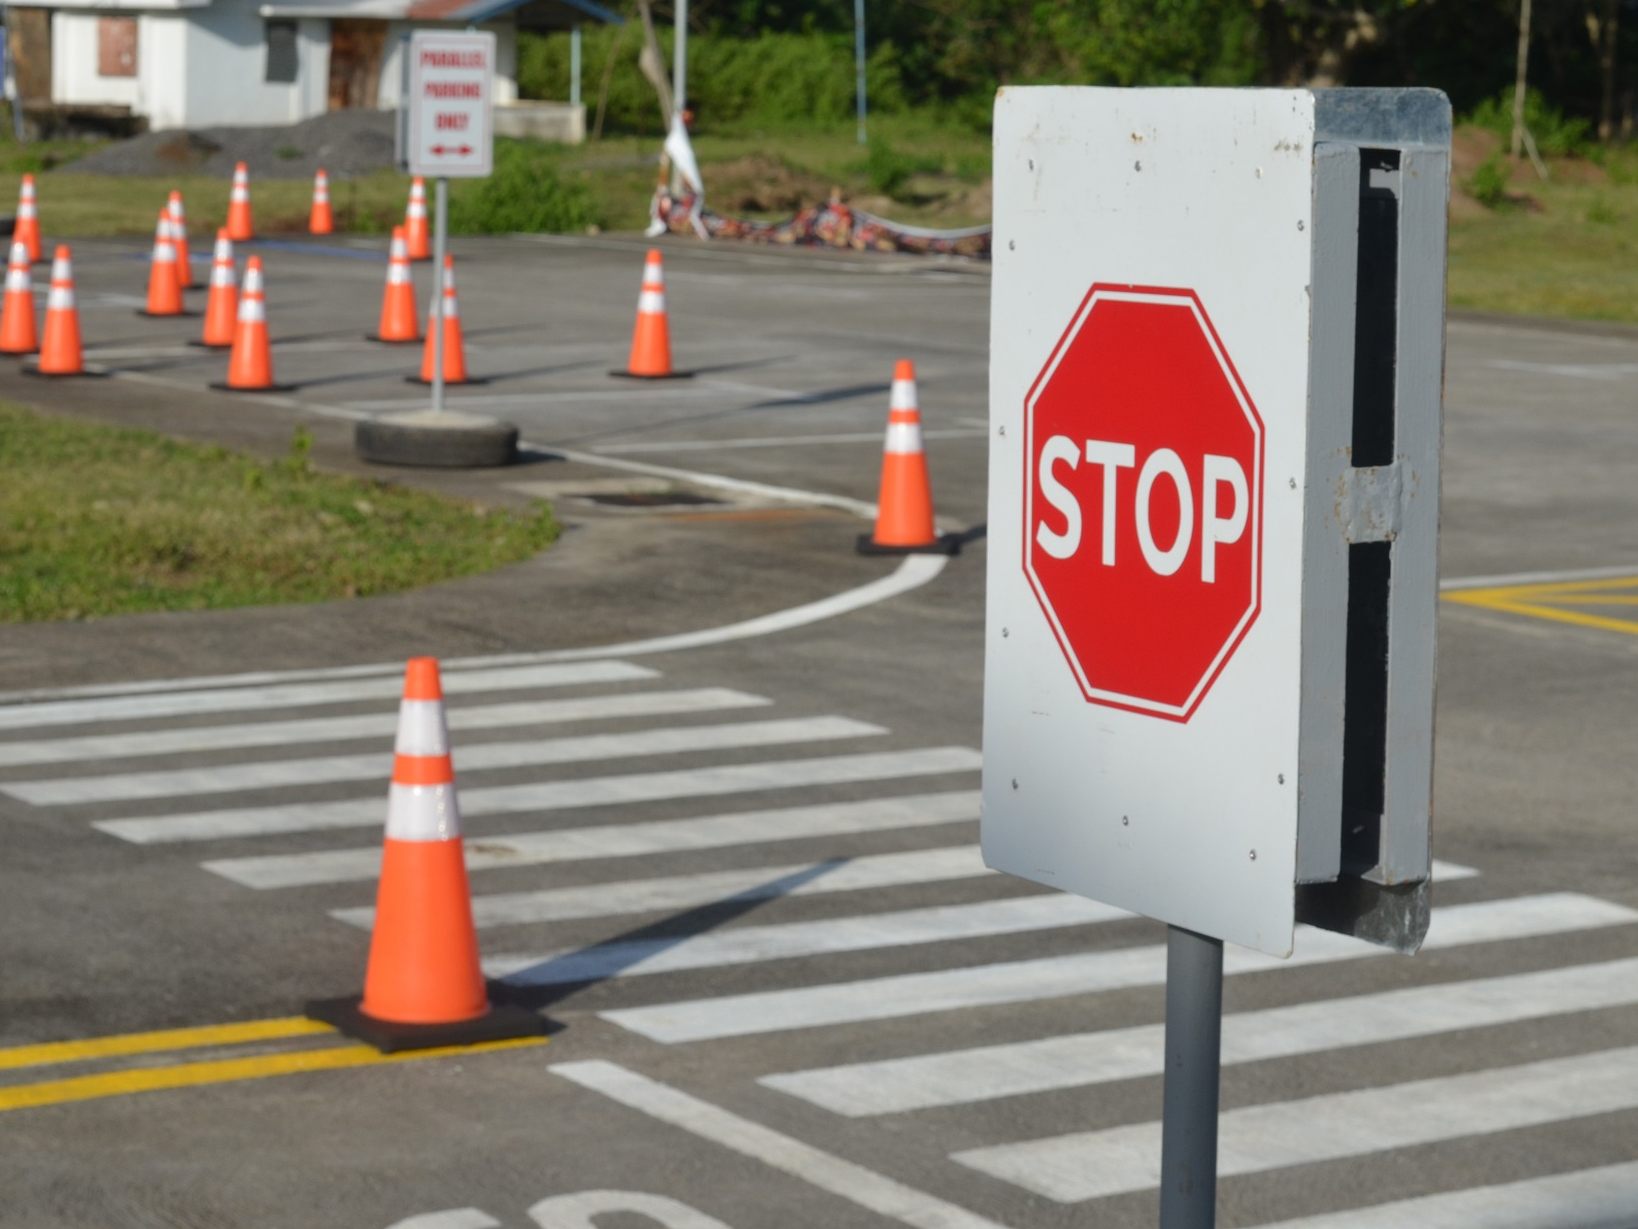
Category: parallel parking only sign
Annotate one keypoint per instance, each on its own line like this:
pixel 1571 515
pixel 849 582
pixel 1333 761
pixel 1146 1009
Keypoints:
pixel 450 133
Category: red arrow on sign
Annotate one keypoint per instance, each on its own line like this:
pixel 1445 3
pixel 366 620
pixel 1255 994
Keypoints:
pixel 438 151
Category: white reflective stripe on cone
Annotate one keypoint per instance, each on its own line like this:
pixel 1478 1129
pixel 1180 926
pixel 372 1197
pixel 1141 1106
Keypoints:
pixel 904 395
pixel 61 298
pixel 19 253
pixel 903 437
pixel 398 251
pixel 221 274
pixel 422 813
pixel 397 273
pixel 651 302
pixel 164 252
pixel 17 281
pixel 252 311
pixel 653 274
pixel 451 310
pixel 62 270
pixel 421 728
pixel 253 281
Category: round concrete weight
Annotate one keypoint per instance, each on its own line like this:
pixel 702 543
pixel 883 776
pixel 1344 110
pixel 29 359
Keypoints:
pixel 446 440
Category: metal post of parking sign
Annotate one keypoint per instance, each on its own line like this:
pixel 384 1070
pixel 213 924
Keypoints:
pixel 1217 341
pixel 447 132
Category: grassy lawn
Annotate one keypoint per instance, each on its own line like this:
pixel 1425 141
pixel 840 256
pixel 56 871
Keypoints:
pixel 99 520
pixel 1568 247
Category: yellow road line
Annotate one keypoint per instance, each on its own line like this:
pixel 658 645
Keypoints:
pixel 1558 603
pixel 226 1070
pixel 162 1039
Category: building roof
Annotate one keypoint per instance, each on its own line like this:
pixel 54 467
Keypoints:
pixel 529 14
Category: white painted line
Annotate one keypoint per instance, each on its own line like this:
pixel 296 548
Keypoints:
pixel 144 706
pixel 1539 578
pixel 1604 1198
pixel 315 730
pixel 913 572
pixel 774 441
pixel 582 1210
pixel 622 840
pixel 788 940
pixel 1607 373
pixel 557 795
pixel 377 765
pixel 1258 1138
pixel 712 887
pixel 886 998
pixel 636 391
pixel 985 1073
pixel 454 1218
pixel 844 1179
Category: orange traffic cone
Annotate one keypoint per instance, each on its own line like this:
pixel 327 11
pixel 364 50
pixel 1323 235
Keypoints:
pixel 454 350
pixel 164 290
pixel 398 319
pixel 179 238
pixel 17 335
pixel 319 219
pixel 651 338
pixel 904 506
pixel 222 307
pixel 423 985
pixel 60 351
pixel 416 237
pixel 250 365
pixel 27 228
pixel 239 225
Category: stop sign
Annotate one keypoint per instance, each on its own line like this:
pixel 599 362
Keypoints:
pixel 1143 487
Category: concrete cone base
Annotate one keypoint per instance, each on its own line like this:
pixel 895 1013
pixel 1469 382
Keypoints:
pixel 446 440
pixel 502 1022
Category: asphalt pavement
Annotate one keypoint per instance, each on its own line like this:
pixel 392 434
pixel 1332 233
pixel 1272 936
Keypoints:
pixel 720 779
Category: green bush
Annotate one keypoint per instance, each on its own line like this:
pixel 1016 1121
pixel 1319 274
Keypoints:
pixel 1488 185
pixel 888 170
pixel 776 79
pixel 1556 134
pixel 524 194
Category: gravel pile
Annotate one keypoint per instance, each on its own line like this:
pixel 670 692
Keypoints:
pixel 342 142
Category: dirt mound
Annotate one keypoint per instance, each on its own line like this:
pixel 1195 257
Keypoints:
pixel 757 183
pixel 342 142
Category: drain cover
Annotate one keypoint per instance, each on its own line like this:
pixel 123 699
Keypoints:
pixel 651 499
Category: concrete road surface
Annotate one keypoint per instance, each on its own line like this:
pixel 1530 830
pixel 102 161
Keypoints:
pixel 719 775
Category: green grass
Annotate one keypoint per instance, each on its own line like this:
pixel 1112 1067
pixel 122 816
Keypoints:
pixel 99 521
pixel 1561 248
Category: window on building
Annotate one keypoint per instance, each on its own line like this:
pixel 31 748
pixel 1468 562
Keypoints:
pixel 116 46
pixel 281 52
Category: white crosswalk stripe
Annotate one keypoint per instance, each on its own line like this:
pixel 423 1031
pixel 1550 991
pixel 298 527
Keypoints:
pixel 1602 1198
pixel 747 944
pixel 818 858
pixel 984 1073
pixel 295 695
pixel 377 765
pixel 378 726
pixel 558 795
pixel 1061 976
pixel 1090 1165
pixel 886 870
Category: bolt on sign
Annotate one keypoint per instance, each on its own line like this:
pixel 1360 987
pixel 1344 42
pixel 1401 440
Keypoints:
pixel 447 125
pixel 1217 345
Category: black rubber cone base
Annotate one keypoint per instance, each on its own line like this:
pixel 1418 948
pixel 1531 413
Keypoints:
pixel 182 315
pixel 470 380
pixel 670 375
pixel 502 1022
pixel 949 544
pixel 89 373
pixel 210 345
pixel 387 341
pixel 221 387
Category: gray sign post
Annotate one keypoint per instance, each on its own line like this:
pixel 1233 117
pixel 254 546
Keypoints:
pixel 1217 335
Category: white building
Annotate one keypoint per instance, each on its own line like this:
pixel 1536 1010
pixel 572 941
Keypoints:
pixel 202 63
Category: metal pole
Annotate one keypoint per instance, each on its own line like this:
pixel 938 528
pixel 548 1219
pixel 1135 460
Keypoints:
pixel 859 62
pixel 679 71
pixel 574 66
pixel 1194 1026
pixel 440 225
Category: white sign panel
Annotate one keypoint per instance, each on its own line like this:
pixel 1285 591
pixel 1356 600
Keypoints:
pixel 1216 336
pixel 449 127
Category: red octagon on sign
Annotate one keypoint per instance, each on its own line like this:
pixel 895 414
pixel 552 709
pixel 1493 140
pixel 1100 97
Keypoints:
pixel 1143 494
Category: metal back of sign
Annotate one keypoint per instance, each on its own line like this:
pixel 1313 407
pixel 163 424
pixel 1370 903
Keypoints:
pixel 448 128
pixel 1217 347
